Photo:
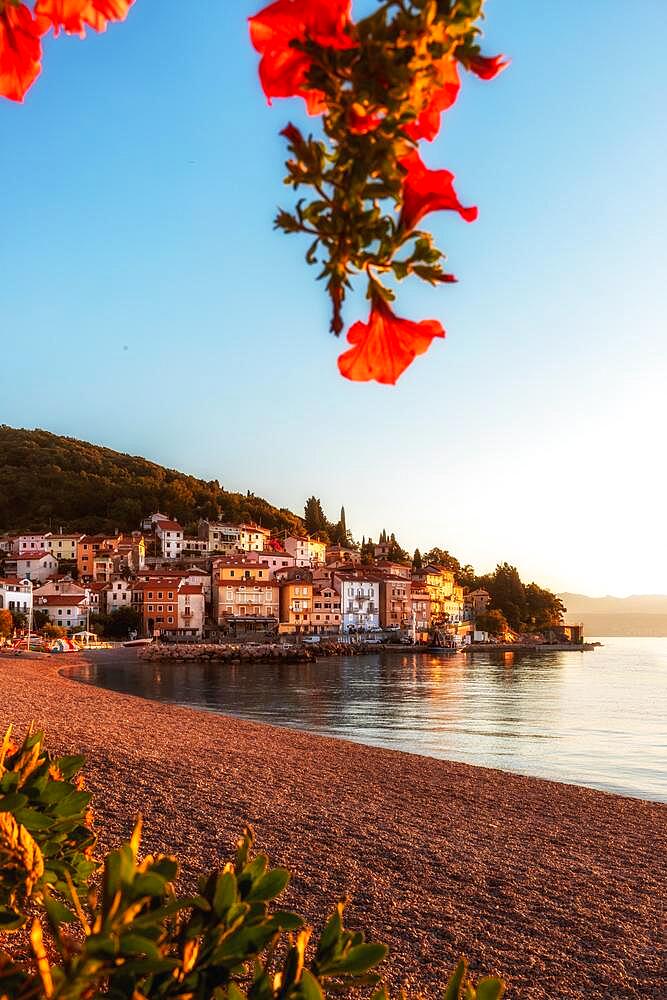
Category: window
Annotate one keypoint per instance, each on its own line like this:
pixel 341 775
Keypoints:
pixel 160 607
pixel 170 595
pixel 160 595
pixel 170 620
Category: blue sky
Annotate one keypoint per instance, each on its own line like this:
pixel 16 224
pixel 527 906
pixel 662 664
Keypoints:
pixel 147 304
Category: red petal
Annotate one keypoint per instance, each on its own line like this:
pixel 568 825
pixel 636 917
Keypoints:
pixel 74 15
pixel 20 51
pixel 386 345
pixel 283 69
pixel 427 190
pixel 487 67
pixel 442 97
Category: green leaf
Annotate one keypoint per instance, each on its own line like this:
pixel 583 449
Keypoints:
pixel 309 987
pixel 361 958
pixel 455 984
pixel 270 885
pixel 13 801
pixel 490 988
pixel 137 944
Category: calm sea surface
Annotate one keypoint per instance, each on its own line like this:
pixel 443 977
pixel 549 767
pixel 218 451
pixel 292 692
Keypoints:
pixel 596 718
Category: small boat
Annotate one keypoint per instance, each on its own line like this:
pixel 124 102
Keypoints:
pixel 138 642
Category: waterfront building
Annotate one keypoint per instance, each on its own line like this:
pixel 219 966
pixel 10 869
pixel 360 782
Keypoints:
pixel 156 602
pixel 245 598
pixel 420 606
pixel 359 600
pixel 395 607
pixel 439 583
pixel 191 605
pixel 15 595
pixel 66 610
pixel 326 615
pixel 296 603
pixel 194 547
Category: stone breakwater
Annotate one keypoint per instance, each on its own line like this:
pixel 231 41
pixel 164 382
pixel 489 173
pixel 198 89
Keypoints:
pixel 556 888
pixel 261 653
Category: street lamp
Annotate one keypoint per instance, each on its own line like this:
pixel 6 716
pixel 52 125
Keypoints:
pixel 28 583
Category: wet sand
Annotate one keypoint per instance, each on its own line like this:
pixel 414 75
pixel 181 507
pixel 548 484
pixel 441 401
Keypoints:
pixel 559 889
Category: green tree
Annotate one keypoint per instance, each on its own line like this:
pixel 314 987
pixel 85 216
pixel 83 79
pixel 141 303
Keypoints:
pixel 442 558
pixel 493 622
pixel 120 623
pixel 417 560
pixel 313 516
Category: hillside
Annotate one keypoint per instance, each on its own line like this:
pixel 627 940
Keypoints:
pixel 48 482
pixel 638 615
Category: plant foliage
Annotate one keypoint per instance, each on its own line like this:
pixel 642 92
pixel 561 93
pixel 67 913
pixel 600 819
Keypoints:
pixel 136 939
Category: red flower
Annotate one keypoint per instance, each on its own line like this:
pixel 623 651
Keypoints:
pixel 442 95
pixel 427 190
pixel 487 67
pixel 283 69
pixel 73 15
pixel 386 345
pixel 20 51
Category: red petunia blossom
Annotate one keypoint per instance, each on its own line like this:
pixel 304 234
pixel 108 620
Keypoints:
pixel 72 16
pixel 283 69
pixel 442 96
pixel 386 345
pixel 20 51
pixel 426 191
pixel 487 67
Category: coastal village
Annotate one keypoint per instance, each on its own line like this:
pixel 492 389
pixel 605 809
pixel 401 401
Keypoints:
pixel 235 581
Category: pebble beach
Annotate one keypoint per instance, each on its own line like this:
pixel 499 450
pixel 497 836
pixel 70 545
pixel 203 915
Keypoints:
pixel 558 888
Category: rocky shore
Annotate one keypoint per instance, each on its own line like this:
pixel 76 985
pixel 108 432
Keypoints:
pixel 555 887
pixel 202 652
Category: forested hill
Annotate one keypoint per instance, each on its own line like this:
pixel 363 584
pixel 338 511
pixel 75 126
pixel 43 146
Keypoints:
pixel 48 482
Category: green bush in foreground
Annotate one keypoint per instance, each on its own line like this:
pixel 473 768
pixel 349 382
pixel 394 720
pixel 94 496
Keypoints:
pixel 133 938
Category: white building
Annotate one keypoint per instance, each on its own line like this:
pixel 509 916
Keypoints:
pixel 220 537
pixel 359 602
pixel 170 535
pixel 15 595
pixel 117 595
pixel 67 610
pixel 306 551
pixel 37 566
pixel 191 610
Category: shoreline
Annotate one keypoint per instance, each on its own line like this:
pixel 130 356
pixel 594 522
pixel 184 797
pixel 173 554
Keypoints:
pixel 553 886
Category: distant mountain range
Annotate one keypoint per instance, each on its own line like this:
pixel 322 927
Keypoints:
pixel 639 614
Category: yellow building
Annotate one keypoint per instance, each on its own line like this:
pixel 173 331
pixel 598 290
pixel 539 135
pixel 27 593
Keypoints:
pixel 439 584
pixel 63 546
pixel 296 606
pixel 243 589
pixel 253 538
